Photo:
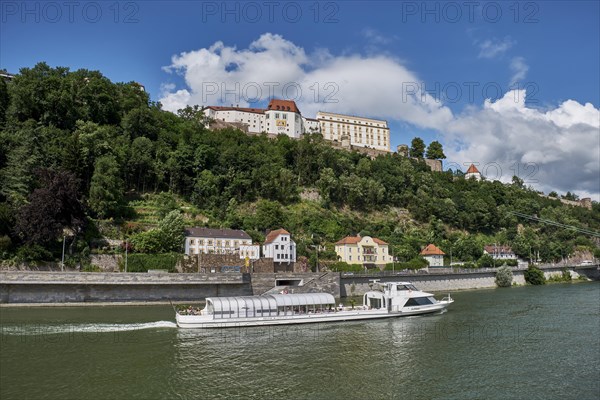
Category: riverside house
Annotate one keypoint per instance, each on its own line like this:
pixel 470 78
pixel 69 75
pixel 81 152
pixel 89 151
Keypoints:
pixel 433 255
pixel 220 241
pixel 368 251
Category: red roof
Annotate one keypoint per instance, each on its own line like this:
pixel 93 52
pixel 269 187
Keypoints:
pixel 473 170
pixel 432 250
pixel 250 110
pixel 283 105
pixel 349 240
pixel 498 249
pixel 356 239
pixel 273 235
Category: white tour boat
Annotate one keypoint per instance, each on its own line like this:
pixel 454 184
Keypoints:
pixel 393 299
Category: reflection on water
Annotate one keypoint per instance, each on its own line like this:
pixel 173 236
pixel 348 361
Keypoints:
pixel 534 343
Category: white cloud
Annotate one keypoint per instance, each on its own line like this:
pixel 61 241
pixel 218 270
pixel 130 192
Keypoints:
pixel 557 149
pixel 376 86
pixel 493 48
pixel 519 69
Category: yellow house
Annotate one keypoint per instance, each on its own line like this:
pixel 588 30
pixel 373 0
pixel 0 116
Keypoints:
pixel 368 251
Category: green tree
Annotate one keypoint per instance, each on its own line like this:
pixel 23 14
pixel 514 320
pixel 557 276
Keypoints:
pixel 172 232
pixel 534 276
pixel 269 215
pixel 4 101
pixel 52 207
pixel 485 261
pixel 435 151
pixel 106 190
pixel 141 161
pixel 417 148
pixel 504 276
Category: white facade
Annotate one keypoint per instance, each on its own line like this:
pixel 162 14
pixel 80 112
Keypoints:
pixel 435 260
pixel 500 252
pixel 311 125
pixel 218 241
pixel 280 247
pixel 252 252
pixel 363 132
pixel 473 172
pixel 253 118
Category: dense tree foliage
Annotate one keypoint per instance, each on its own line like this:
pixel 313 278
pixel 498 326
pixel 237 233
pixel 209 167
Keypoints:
pixel 109 142
pixel 435 151
pixel 52 207
pixel 417 148
pixel 504 276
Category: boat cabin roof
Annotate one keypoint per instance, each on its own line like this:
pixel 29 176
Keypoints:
pixel 266 302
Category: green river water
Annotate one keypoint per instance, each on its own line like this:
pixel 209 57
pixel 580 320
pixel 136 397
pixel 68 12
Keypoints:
pixel 517 343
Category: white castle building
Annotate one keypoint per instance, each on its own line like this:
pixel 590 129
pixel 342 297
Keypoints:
pixel 282 117
pixel 363 132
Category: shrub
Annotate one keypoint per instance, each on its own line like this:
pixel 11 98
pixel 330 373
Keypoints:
pixel 504 276
pixel 534 276
pixel 564 276
pixel 144 262
pixel 341 266
pixel 512 262
pixel 485 261
pixel 33 252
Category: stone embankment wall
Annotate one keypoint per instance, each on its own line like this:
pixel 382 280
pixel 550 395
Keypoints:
pixel 65 287
pixel 447 281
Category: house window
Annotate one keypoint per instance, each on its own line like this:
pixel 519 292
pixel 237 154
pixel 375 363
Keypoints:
pixel 276 247
pixel 191 242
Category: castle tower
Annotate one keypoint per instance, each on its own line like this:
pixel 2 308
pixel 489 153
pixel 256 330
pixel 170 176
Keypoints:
pixel 473 172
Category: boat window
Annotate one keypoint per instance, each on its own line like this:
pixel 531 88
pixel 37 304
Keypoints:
pixel 418 301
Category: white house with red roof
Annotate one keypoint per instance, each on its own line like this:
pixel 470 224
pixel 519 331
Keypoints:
pixel 433 255
pixel 279 246
pixel 220 241
pixel 473 172
pixel 500 252
pixel 368 251
pixel 281 117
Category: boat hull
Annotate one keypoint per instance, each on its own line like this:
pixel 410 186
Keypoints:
pixel 204 322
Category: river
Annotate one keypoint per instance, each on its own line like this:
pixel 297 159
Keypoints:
pixel 516 343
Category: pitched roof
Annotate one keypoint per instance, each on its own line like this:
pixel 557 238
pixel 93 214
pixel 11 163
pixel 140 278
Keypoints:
pixel 271 236
pixel 432 250
pixel 283 105
pixel 349 240
pixel 498 249
pixel 243 109
pixel 473 170
pixel 217 233
pixel 356 239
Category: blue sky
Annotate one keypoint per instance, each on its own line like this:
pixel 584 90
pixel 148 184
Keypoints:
pixel 451 50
